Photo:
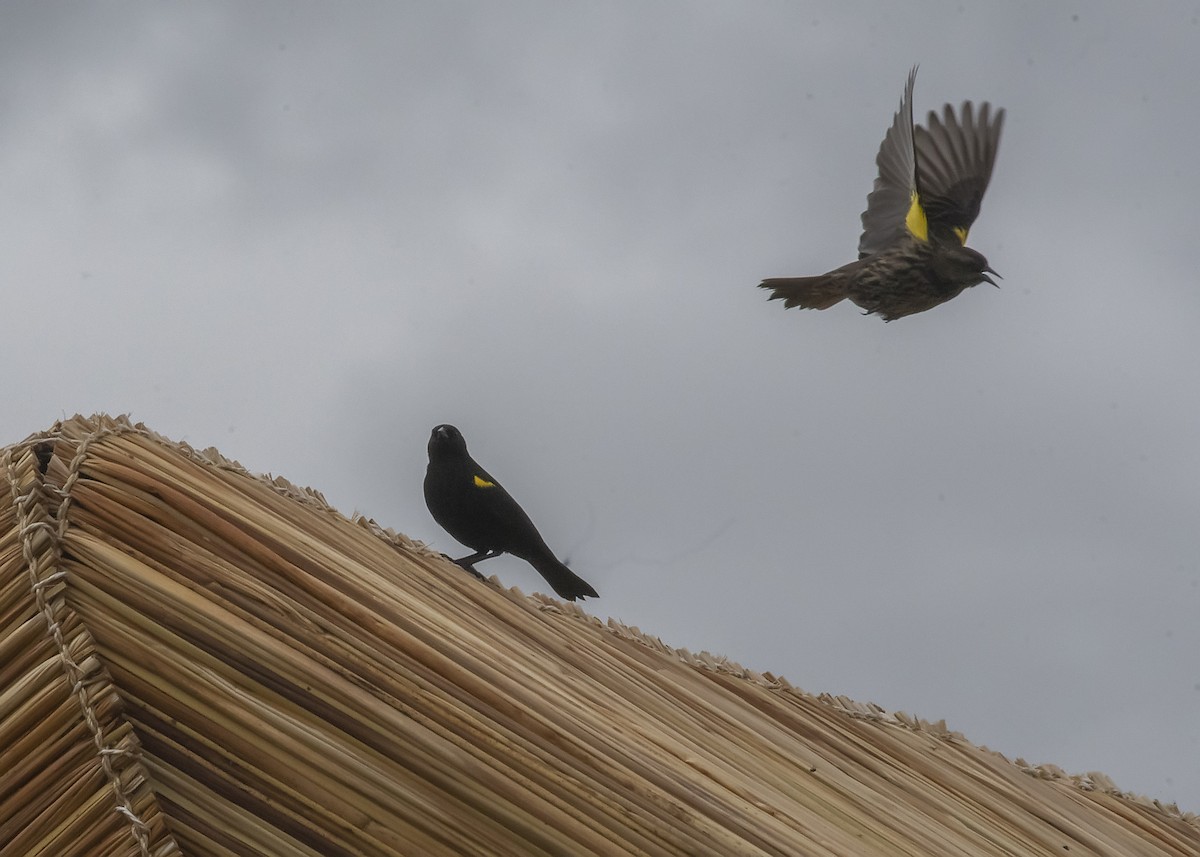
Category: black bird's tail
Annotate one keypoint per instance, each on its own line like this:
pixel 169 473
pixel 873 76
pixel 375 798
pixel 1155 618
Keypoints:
pixel 808 292
pixel 565 582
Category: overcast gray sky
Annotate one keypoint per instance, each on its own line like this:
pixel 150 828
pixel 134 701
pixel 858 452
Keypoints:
pixel 308 233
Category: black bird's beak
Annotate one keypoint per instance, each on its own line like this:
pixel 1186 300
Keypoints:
pixel 988 279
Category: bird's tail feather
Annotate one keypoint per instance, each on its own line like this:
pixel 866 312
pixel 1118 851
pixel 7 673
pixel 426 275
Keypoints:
pixel 808 292
pixel 565 582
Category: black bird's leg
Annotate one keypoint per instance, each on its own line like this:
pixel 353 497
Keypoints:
pixel 467 563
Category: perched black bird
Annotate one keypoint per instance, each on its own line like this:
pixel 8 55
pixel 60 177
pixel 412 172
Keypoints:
pixel 913 255
pixel 474 508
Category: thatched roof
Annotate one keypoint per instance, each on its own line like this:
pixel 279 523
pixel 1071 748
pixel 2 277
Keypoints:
pixel 198 661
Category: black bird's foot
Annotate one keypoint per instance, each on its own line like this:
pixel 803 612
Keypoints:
pixel 466 566
pixel 467 563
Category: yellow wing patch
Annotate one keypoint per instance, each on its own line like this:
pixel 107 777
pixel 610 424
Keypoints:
pixel 480 482
pixel 961 232
pixel 915 220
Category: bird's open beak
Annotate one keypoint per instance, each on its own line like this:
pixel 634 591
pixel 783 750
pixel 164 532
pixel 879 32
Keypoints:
pixel 987 279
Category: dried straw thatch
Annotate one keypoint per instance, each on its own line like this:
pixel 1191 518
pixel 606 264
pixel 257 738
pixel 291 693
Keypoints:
pixel 197 661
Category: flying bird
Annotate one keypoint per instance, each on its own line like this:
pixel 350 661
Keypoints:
pixel 913 255
pixel 469 504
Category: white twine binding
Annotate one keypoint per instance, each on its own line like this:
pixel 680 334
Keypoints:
pixel 30 530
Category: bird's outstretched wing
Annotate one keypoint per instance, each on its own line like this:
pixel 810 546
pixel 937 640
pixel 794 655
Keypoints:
pixel 889 204
pixel 955 155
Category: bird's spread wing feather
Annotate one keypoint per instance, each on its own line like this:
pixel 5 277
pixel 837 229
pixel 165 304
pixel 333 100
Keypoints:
pixel 891 204
pixel 955 155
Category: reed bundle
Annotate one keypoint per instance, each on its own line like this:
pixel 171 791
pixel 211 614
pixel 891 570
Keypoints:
pixel 198 661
